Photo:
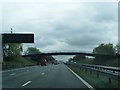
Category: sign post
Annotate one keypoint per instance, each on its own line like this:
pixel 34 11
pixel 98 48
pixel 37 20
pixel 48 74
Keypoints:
pixel 14 38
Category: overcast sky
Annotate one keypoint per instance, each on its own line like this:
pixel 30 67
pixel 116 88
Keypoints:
pixel 66 26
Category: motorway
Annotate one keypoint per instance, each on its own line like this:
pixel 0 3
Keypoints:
pixel 50 76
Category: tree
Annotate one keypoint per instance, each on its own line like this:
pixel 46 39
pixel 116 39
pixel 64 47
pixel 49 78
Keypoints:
pixel 49 58
pixel 107 49
pixel 118 48
pixel 77 58
pixel 70 60
pixel 32 50
pixel 11 50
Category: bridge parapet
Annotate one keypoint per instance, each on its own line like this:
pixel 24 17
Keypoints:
pixel 71 53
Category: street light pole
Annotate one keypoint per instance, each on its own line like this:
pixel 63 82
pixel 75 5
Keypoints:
pixel 11 30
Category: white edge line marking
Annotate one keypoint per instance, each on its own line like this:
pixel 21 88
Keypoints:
pixel 26 83
pixel 88 85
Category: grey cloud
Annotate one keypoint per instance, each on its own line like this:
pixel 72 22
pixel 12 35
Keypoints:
pixel 64 27
pixel 44 42
pixel 105 12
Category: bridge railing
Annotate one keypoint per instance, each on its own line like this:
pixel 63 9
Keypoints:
pixel 110 72
pixel 71 53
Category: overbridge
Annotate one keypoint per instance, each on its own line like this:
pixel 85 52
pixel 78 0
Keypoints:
pixel 69 53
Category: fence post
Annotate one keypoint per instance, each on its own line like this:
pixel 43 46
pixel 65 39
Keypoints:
pixel 97 75
pixel 109 80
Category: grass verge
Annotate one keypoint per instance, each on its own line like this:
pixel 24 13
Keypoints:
pixel 92 79
pixel 20 60
pixel 109 62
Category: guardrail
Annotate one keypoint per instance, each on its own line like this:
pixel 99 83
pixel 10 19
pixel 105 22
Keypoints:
pixel 110 72
pixel 113 69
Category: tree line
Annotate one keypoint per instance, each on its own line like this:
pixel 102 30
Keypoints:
pixel 13 50
pixel 106 49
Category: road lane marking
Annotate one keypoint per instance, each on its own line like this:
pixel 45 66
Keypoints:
pixel 88 85
pixel 12 74
pixel 42 73
pixel 27 70
pixel 26 83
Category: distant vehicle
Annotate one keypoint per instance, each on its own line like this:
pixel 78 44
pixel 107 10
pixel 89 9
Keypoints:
pixel 74 62
pixel 43 62
pixel 54 62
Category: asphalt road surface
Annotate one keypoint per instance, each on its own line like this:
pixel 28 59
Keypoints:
pixel 51 76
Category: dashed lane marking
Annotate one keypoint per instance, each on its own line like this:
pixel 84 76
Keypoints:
pixel 26 83
pixel 42 73
pixel 12 74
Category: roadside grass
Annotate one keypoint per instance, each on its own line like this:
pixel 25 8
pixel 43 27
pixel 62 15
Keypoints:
pixel 20 61
pixel 109 62
pixel 112 62
pixel 86 61
pixel 92 79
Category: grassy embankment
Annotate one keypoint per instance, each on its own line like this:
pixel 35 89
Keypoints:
pixel 92 79
pixel 20 61
pixel 108 62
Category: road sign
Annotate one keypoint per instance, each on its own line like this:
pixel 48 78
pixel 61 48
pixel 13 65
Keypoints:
pixel 17 38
